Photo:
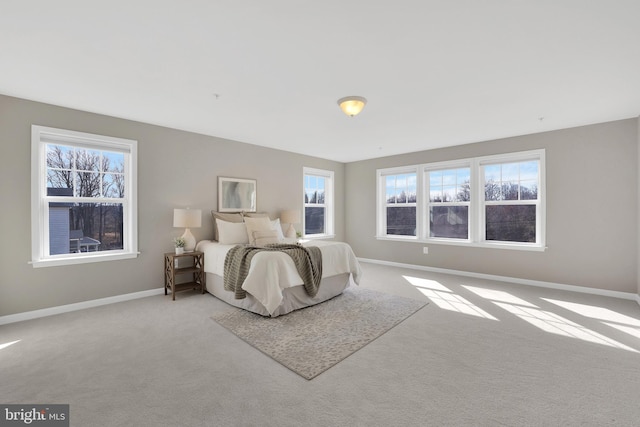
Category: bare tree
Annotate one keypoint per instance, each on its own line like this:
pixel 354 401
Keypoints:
pixel 83 172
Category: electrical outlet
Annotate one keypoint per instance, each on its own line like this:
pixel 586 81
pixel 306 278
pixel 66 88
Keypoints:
pixel 425 250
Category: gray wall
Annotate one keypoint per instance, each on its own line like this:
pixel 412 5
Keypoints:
pixel 590 244
pixel 592 210
pixel 175 169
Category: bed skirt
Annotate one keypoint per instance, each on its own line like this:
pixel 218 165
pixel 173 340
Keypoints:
pixel 294 298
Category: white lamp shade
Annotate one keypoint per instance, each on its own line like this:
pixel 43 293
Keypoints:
pixel 352 105
pixel 187 218
pixel 290 217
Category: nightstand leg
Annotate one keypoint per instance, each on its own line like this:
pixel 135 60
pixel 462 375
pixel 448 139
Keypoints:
pixel 166 273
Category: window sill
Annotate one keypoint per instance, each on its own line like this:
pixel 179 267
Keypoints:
pixel 319 236
pixel 82 259
pixel 399 238
pixel 466 243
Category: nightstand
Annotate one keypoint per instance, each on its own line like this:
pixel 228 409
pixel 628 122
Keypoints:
pixel 196 270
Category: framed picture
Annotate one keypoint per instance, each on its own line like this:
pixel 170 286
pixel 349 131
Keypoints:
pixel 236 194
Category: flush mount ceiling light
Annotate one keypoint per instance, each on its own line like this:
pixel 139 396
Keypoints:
pixel 352 105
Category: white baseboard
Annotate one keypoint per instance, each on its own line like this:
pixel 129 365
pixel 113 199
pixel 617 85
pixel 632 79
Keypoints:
pixel 28 315
pixel 560 286
pixel 19 317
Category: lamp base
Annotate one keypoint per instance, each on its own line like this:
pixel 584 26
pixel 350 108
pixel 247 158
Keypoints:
pixel 189 241
pixel 291 232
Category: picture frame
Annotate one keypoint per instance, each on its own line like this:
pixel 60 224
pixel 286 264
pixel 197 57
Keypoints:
pixel 237 194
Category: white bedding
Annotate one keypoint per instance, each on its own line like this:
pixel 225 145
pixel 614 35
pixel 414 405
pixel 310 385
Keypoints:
pixel 271 272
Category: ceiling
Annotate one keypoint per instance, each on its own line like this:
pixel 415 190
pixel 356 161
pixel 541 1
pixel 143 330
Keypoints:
pixel 435 73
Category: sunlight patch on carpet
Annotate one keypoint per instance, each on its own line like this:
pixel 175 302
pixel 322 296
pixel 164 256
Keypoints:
pixel 7 344
pixel 445 298
pixel 549 321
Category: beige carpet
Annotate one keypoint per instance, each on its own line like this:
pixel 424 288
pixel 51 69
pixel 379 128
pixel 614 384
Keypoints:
pixel 153 362
pixel 312 340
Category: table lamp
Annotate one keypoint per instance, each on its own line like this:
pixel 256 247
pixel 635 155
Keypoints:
pixel 187 218
pixel 290 217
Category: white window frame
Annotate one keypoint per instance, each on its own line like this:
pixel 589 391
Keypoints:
pixel 381 202
pixel 476 205
pixel 329 209
pixel 540 204
pixel 40 136
pixel 441 166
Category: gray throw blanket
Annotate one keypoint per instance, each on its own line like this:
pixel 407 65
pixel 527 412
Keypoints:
pixel 308 262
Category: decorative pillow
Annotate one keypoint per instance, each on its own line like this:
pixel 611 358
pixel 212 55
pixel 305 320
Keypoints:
pixel 275 224
pixel 228 217
pixel 232 233
pixel 263 238
pixel 256 224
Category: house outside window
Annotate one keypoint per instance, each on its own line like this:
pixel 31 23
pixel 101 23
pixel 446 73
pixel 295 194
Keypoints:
pixel 83 197
pixel 490 201
pixel 318 203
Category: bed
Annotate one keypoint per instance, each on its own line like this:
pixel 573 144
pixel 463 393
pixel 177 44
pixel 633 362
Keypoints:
pixel 273 284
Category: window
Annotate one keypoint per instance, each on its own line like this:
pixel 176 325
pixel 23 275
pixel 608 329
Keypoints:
pixel 318 203
pixel 449 202
pixel 511 203
pixel 492 201
pixel 83 197
pixel 400 204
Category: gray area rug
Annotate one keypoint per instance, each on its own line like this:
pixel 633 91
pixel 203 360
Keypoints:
pixel 311 340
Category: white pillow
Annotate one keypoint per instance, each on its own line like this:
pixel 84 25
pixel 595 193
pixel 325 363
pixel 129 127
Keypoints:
pixel 232 233
pixel 275 225
pixel 256 224
pixel 229 217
